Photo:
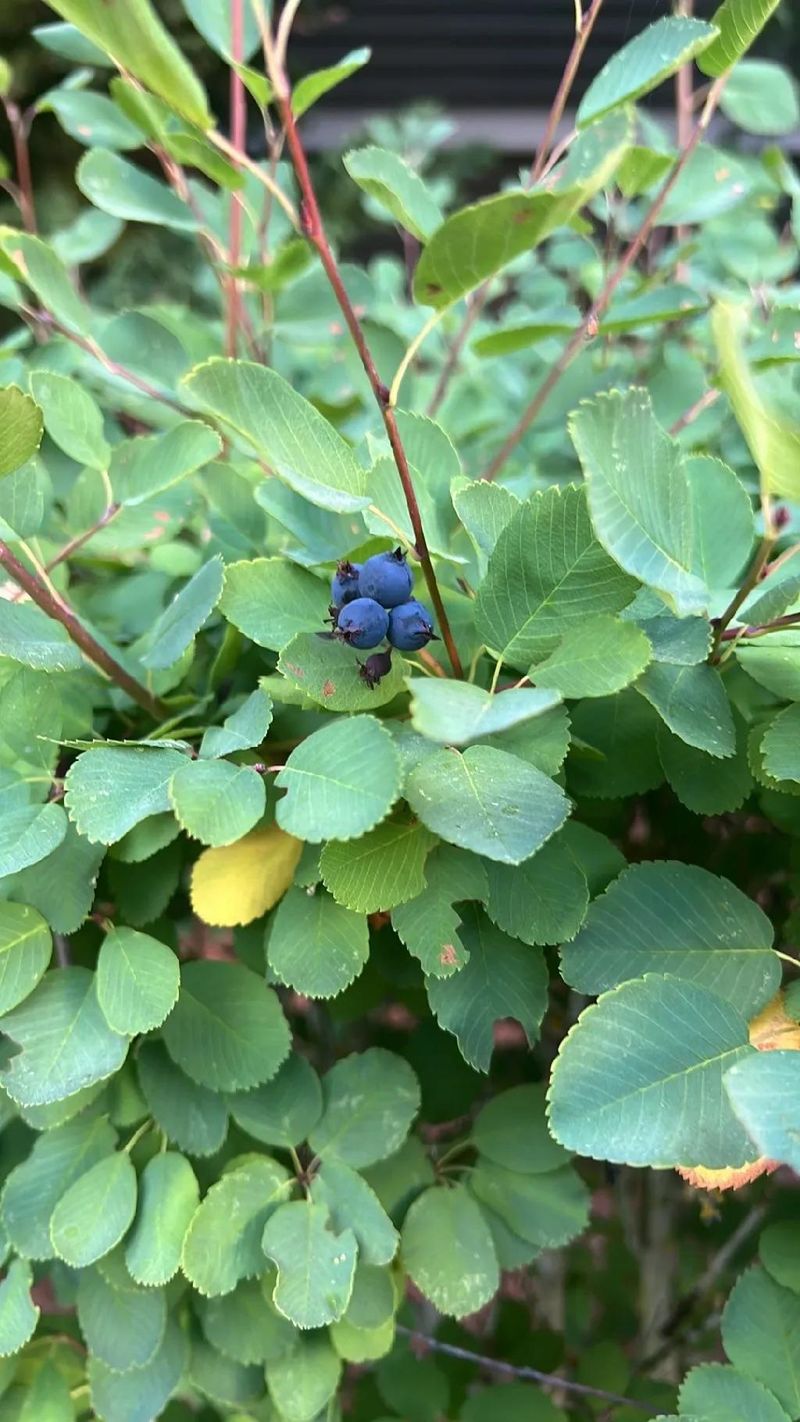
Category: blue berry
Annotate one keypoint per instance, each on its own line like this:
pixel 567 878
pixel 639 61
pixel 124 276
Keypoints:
pixel 362 623
pixel 344 583
pixel 410 626
pixel 387 578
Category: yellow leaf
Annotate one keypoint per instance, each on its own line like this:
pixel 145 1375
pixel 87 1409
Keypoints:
pixel 237 883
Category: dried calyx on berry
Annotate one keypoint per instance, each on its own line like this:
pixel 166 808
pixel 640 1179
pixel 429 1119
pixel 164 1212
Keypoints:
pixel 410 627
pixel 344 583
pixel 362 623
pixel 386 577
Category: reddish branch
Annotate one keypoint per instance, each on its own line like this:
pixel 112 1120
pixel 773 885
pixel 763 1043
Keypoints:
pixel 19 124
pixel 238 103
pixel 314 229
pixel 591 320
pixel 60 610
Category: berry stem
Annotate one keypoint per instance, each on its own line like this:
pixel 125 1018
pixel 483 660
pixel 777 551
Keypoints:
pixel 314 229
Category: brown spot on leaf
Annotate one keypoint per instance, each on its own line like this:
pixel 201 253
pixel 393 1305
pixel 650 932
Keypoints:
pixel 328 688
pixel 296 671
pixel 448 956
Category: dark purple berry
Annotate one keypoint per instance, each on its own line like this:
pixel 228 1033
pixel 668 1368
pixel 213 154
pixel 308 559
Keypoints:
pixel 362 623
pixel 410 627
pixel 344 583
pixel 386 577
pixel 375 668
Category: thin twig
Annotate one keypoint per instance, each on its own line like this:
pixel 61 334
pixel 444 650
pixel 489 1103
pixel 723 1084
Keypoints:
pixel 106 517
pixel 684 110
pixel 754 572
pixel 707 399
pixel 734 634
pixel 19 124
pixel 509 1370
pixel 314 229
pixel 238 106
pixel 55 607
pixel 583 30
pixel 43 318
pixel 584 24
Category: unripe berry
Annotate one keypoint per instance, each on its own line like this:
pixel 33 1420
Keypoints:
pixel 362 623
pixel 410 627
pixel 386 577
pixel 344 583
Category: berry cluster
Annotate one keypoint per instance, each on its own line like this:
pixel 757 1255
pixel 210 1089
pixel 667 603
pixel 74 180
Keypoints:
pixel 372 601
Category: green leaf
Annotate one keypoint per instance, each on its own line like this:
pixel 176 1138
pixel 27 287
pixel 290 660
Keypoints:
pixel 212 19
pixel 21 422
pixel 775 665
pixel 543 900
pixel 761 1335
pixel 124 1328
pixel 91 119
pixel 29 834
pixel 487 801
pixel 18 1314
pixel 131 33
pixel 773 443
pixel 779 1251
pixel 639 495
pixel 245 727
pixel 25 950
pixel 227 1030
pixel 141 1393
pixel 68 43
pixel 329 673
pixel 388 179
pixel 447 1250
pixel 620 734
pixel 666 917
pixel 522 1402
pixel 764 1095
pixel 192 1117
pixel 222 1380
pixel 37 265
pixel 382 869
pixel 312 86
pixel 703 783
pixel 761 97
pixel 370 1099
pixel 474 243
pixel 484 510
pixel 150 464
pixel 29 636
pixel 663 1104
pixel 502 979
pixel 314 945
pixel 552 321
pixel 644 63
pixel 719 1393
pixel 315 1264
pixel 455 712
pixel 601 655
pixel 780 745
pixel 511 1130
pixel 328 794
pixel 223 1242
pixel 353 1203
pixel 547 1209
pixel 119 188
pixel 72 418
pixel 271 600
pixel 302 1383
pixel 109 790
pixel 65 1042
pixel 168 1199
pixel 137 981
pixel 245 1326
pixel 738 22
pixel 215 801
pixel 284 1110
pixel 33 1188
pixel 428 925
pixel 94 1213
pixel 546 574
pixel 693 703
pixel 289 434
pixel 184 616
